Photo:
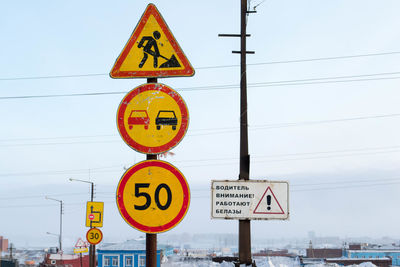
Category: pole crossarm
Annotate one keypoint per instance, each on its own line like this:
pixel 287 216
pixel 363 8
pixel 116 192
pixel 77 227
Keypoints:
pixel 231 35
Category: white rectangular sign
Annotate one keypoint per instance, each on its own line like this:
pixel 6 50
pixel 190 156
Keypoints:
pixel 251 199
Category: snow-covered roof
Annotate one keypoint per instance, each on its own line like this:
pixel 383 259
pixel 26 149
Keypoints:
pixel 375 250
pixel 63 257
pixel 355 259
pixel 132 244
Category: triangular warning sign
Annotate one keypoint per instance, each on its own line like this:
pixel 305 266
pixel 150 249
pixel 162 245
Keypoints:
pixel 80 243
pixel 268 204
pixel 151 51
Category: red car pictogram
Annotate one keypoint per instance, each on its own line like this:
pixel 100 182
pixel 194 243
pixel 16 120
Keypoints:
pixel 138 117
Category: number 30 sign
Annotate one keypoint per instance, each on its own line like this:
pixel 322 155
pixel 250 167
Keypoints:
pixel 153 196
pixel 94 236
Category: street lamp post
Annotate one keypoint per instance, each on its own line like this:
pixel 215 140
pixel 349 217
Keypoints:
pixel 92 248
pixel 88 182
pixel 61 212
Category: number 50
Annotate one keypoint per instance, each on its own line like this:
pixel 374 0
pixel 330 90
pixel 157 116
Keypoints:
pixel 156 196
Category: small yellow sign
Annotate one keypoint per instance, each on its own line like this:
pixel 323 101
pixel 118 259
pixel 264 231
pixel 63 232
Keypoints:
pixel 153 196
pixel 94 236
pixel 94 214
pixel 81 250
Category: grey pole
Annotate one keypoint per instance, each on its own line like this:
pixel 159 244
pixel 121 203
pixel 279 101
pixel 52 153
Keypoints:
pixel 61 212
pixel 151 239
pixel 92 248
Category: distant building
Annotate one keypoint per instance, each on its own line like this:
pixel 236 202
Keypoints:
pixel 382 256
pixel 355 246
pixel 64 260
pixel 132 253
pixel 3 244
pixel 381 262
pixel 323 253
pixel 274 253
pixel 123 258
pixel 9 263
pixel 371 254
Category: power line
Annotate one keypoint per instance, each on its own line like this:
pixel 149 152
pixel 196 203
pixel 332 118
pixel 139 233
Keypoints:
pixel 60 143
pixel 346 154
pixel 344 187
pixel 50 195
pixel 70 171
pixel 63 95
pixel 348 182
pixel 269 158
pixel 340 187
pixel 295 124
pixel 308 81
pixel 56 138
pixel 211 131
pixel 211 67
pixel 366 149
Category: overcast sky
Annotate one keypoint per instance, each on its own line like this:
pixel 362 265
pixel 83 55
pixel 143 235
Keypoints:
pixel 323 107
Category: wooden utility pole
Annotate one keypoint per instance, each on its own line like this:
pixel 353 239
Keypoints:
pixel 244 172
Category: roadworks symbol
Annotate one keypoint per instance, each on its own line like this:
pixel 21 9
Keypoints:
pixel 151 51
pixel 150 47
pixel 268 204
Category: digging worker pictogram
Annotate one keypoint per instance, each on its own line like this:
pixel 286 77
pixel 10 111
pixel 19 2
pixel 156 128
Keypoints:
pixel 151 48
pixel 148 48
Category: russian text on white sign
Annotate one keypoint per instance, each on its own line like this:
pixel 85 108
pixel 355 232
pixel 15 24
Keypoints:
pixel 251 199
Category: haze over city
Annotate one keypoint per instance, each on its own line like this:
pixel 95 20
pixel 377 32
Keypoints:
pixel 323 107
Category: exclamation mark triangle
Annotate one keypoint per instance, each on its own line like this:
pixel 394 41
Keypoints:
pixel 268 204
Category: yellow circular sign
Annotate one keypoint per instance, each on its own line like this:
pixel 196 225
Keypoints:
pixel 153 196
pixel 152 118
pixel 94 236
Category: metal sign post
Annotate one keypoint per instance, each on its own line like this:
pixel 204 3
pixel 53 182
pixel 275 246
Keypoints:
pixel 151 239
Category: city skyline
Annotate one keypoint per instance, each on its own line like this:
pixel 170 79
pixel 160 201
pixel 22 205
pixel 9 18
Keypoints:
pixel 323 113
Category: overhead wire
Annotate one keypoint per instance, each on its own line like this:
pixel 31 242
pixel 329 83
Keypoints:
pixel 308 81
pixel 70 171
pixel 257 159
pixel 342 185
pixel 211 67
pixel 196 132
pixel 296 159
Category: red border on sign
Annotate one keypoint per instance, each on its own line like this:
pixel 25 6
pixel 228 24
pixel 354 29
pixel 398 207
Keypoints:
pixel 91 229
pixel 158 149
pixel 120 192
pixel 258 212
pixel 117 73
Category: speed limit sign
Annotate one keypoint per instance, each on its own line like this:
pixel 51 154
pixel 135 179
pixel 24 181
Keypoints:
pixel 94 236
pixel 153 196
